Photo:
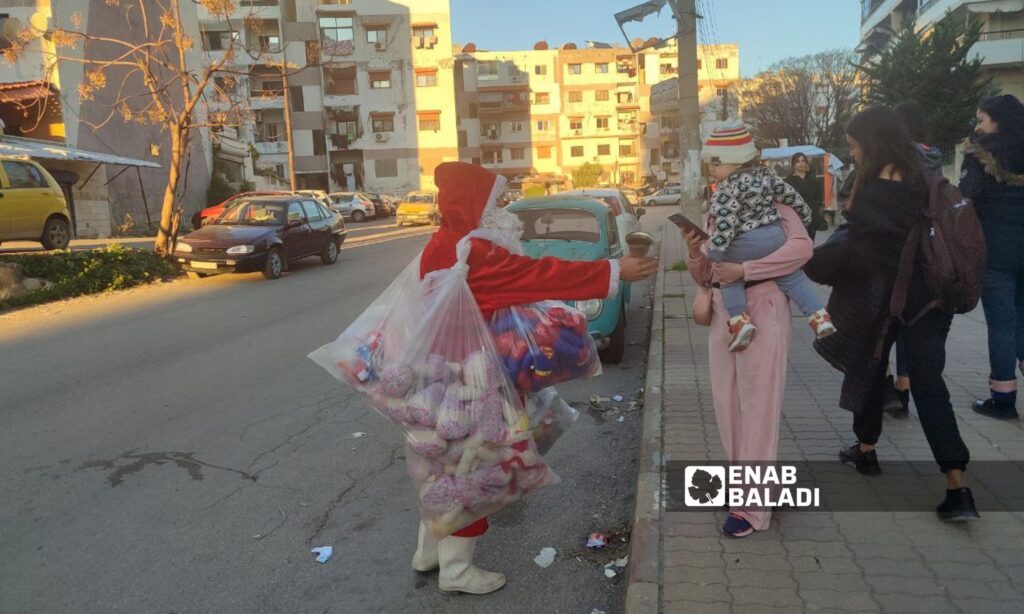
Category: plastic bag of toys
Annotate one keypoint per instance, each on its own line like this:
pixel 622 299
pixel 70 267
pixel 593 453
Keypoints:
pixel 550 417
pixel 543 344
pixel 425 359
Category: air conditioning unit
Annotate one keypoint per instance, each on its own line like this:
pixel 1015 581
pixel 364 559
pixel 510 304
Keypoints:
pixel 380 46
pixel 417 42
pixel 380 137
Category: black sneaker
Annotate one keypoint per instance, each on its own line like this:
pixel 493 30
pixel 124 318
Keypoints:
pixel 958 506
pixel 865 462
pixel 1000 410
pixel 897 402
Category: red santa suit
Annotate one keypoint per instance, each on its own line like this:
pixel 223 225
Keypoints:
pixel 499 275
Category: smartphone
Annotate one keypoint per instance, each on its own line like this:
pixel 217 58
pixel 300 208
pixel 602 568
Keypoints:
pixel 686 224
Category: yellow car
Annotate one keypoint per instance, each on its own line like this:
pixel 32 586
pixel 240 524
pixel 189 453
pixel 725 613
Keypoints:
pixel 418 208
pixel 32 206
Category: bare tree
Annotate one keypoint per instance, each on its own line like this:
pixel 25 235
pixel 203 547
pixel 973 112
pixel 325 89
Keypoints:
pixel 150 75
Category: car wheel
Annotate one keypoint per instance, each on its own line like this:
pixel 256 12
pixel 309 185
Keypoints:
pixel 651 203
pixel 358 216
pixel 274 266
pixel 329 255
pixel 617 346
pixel 194 275
pixel 56 234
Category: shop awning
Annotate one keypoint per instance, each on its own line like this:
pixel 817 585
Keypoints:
pixel 428 114
pixel 34 148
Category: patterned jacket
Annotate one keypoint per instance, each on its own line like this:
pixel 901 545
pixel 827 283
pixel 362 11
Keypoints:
pixel 746 200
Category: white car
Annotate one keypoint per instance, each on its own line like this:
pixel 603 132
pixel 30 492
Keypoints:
pixel 664 196
pixel 352 206
pixel 627 216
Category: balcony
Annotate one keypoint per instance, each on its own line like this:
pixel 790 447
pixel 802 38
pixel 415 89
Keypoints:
pixel 344 142
pixel 271 147
pixel 1000 48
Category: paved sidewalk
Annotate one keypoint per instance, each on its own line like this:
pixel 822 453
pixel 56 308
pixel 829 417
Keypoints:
pixel 813 561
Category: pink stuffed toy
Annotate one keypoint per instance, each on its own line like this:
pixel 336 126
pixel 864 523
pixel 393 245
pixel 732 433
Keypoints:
pixel 453 421
pixel 397 380
pixel 423 405
pixel 426 443
pixel 489 418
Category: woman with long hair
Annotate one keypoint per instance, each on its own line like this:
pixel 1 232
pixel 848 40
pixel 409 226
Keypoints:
pixel 811 188
pixel 888 201
pixel 993 177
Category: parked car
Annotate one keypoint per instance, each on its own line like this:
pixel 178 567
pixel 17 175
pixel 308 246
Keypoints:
pixel 353 205
pixel 577 227
pixel 203 217
pixel 380 206
pixel 32 205
pixel 633 196
pixel 626 215
pixel 262 233
pixel 418 208
pixel 664 196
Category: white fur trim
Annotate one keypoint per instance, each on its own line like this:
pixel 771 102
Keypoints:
pixel 496 191
pixel 613 278
pixel 499 238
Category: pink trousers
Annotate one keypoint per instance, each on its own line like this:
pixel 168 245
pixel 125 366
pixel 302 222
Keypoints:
pixel 748 386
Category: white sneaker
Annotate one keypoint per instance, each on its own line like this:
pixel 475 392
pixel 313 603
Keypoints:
pixel 742 331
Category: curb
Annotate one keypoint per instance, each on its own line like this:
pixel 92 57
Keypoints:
pixel 643 593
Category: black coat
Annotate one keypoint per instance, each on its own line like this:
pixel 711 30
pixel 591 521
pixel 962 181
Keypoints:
pixel 860 262
pixel 992 176
pixel 812 191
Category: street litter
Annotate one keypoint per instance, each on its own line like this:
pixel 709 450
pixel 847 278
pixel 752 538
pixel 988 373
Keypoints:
pixel 597 540
pixel 597 400
pixel 323 553
pixel 617 398
pixel 615 567
pixel 358 435
pixel 545 558
pixel 622 418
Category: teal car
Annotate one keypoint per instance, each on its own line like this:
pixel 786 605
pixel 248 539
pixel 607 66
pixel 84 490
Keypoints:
pixel 576 227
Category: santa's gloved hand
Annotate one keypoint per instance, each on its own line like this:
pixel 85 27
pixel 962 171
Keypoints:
pixel 632 268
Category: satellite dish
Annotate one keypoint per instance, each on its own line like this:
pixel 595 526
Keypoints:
pixel 569 46
pixel 11 27
pixel 540 46
pixel 469 48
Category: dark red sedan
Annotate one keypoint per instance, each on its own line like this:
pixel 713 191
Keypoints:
pixel 262 233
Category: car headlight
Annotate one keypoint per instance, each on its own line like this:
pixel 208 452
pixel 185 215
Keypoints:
pixel 241 249
pixel 184 248
pixel 591 308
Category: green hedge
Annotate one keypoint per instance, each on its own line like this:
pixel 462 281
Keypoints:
pixel 87 272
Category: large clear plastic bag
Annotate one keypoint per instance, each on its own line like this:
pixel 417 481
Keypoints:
pixel 425 359
pixel 544 343
pixel 550 418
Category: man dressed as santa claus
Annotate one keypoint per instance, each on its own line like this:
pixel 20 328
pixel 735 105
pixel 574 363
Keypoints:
pixel 499 276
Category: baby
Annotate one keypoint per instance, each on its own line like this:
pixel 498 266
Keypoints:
pixel 747 227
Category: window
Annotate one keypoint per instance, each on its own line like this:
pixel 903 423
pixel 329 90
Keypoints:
pixel 22 175
pixel 474 110
pixel 377 35
pixel 319 145
pixel 295 213
pixel 518 153
pixel 515 127
pixel 337 29
pixel 217 41
pixel 491 131
pixel 721 63
pixel 313 212
pixel 575 123
pixel 380 80
pixel 424 32
pixel 722 92
pixel 268 133
pixel 430 123
pixel 463 138
pixel 270 43
pixel 602 123
pixel 601 68
pixel 279 170
pixel 626 148
pixel 543 125
pixel 492 156
pixel 575 69
pixel 487 71
pixel 601 95
pixel 613 231
pixel 225 85
pixel 5 43
pixel 540 69
pixel 297 100
pixel 385 168
pixel 561 224
pixel 340 81
pixel 426 79
pixel 655 157
pixel 269 88
pixel 624 97
pixel 604 150
pixel 668 69
pixel 542 98
pixel 384 124
pixel 575 96
pixel 544 153
pixel 576 151
pixel 700 65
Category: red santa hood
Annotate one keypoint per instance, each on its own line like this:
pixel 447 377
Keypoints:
pixel 465 191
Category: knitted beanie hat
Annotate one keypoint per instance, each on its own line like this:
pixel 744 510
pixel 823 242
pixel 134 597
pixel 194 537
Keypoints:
pixel 730 142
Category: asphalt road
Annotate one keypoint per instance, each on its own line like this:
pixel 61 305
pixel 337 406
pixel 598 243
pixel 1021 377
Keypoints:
pixel 171 449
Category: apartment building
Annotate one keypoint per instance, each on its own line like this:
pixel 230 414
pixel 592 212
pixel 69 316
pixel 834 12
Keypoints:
pixel 545 112
pixel 369 84
pixel 1001 46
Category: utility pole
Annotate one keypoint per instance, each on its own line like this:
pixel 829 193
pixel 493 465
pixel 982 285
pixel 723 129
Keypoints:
pixel 689 100
pixel 288 124
pixel 725 103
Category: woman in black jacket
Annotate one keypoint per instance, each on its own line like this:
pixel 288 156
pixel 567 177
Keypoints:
pixel 888 201
pixel 810 187
pixel 993 177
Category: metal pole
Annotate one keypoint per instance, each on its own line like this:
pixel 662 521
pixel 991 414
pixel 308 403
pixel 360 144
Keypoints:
pixel 288 123
pixel 689 101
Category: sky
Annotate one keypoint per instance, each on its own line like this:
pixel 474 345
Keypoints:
pixel 766 30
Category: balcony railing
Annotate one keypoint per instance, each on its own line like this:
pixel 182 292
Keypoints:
pixel 868 7
pixel 999 35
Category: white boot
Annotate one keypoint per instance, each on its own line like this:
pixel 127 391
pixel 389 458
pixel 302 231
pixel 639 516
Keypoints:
pixel 425 558
pixel 458 572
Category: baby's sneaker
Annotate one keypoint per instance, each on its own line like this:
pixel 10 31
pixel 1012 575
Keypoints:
pixel 821 324
pixel 742 331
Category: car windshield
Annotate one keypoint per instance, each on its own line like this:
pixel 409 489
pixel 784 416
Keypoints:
pixel 340 199
pixel 253 213
pixel 560 224
pixel 420 198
